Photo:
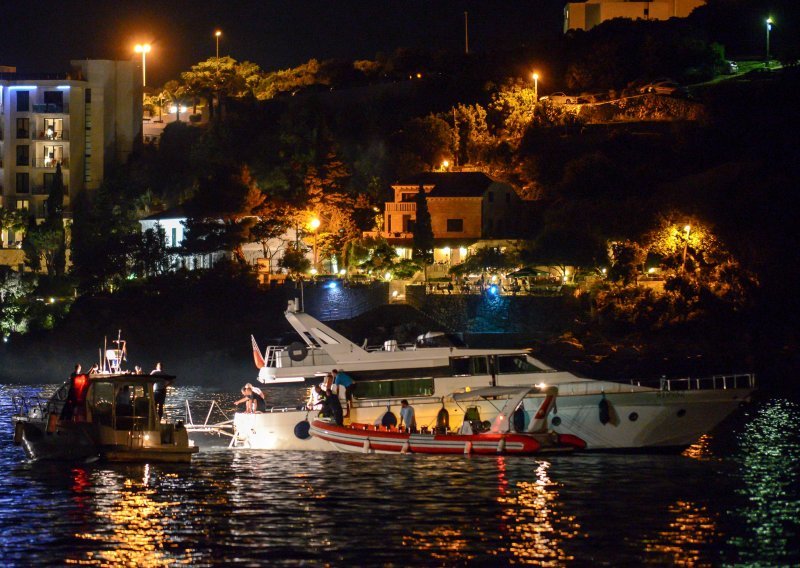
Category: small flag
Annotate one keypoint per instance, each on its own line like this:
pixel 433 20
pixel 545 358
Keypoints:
pixel 259 360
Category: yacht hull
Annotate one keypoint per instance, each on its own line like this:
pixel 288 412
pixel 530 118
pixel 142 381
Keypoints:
pixel 636 420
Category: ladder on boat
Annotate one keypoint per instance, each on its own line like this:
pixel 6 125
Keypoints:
pixel 212 424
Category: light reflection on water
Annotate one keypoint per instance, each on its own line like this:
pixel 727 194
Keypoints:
pixel 731 498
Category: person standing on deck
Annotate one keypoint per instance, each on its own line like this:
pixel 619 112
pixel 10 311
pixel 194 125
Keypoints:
pixel 343 380
pixel 407 418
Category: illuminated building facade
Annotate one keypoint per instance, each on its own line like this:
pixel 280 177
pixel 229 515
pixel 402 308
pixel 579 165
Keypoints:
pixel 586 15
pixel 85 121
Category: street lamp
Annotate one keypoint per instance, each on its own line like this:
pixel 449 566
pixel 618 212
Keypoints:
pixel 769 28
pixel 144 49
pixel 216 35
pixel 688 229
pixel 536 87
pixel 314 225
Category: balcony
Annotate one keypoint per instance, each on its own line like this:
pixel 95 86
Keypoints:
pixel 388 235
pixel 50 163
pixel 51 108
pixel 403 207
pixel 42 189
pixel 51 135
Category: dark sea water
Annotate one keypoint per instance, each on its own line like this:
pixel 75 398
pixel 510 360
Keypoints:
pixel 732 499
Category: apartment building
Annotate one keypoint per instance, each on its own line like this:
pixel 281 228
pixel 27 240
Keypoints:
pixel 588 14
pixel 85 121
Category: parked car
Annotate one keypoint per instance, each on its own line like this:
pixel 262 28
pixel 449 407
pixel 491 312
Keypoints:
pixel 665 88
pixel 729 67
pixel 560 98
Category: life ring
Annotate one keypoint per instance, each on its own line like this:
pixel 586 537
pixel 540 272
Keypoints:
pixel 301 430
pixel 388 419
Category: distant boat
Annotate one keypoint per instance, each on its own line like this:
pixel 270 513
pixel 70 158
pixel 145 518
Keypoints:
pixel 110 415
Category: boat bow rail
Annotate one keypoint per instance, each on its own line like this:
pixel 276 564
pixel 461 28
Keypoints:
pixel 715 382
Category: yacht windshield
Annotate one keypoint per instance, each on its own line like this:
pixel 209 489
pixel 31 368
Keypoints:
pixel 439 339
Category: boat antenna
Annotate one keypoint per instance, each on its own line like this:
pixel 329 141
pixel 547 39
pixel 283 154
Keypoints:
pixel 105 350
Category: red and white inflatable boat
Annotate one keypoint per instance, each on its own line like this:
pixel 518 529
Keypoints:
pixel 366 438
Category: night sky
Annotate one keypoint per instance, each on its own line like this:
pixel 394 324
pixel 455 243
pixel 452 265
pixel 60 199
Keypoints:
pixel 43 36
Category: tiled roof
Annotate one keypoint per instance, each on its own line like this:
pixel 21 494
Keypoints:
pixel 451 184
pixel 175 213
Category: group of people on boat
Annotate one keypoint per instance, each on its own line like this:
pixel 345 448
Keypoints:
pixel 253 399
pixel 334 396
pixel 123 399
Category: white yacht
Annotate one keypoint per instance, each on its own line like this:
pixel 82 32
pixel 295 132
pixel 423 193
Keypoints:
pixel 607 415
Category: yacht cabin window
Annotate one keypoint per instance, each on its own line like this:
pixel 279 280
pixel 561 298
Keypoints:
pixel 394 389
pixel 467 366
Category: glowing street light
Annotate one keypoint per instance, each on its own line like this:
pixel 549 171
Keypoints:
pixel 216 35
pixel 535 87
pixel 144 49
pixel 769 28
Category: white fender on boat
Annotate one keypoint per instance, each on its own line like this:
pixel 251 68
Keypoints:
pixel 468 448
pixel 366 449
pixel 405 449
pixel 501 446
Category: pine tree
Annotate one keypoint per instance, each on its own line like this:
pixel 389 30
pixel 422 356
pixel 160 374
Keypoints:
pixel 423 232
pixel 55 222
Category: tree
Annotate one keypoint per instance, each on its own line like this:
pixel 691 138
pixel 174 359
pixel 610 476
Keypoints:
pixel 472 134
pixel 423 231
pixel 54 222
pixel 30 245
pixel 295 261
pixel 226 206
pixel 627 259
pixel 512 108
pixel 487 260
pixel 220 78
pixel 150 254
pixel 429 138
pixel 268 231
pixel 104 233
pixel 11 220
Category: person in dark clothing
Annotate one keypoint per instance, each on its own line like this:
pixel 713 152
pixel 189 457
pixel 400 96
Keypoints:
pixel 333 408
pixel 160 394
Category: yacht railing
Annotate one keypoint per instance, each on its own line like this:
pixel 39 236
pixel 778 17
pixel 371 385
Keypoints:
pixel 715 382
pixel 219 427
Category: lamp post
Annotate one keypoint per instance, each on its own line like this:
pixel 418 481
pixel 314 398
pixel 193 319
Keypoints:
pixel 144 49
pixel 688 229
pixel 535 87
pixel 216 35
pixel 314 225
pixel 769 28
